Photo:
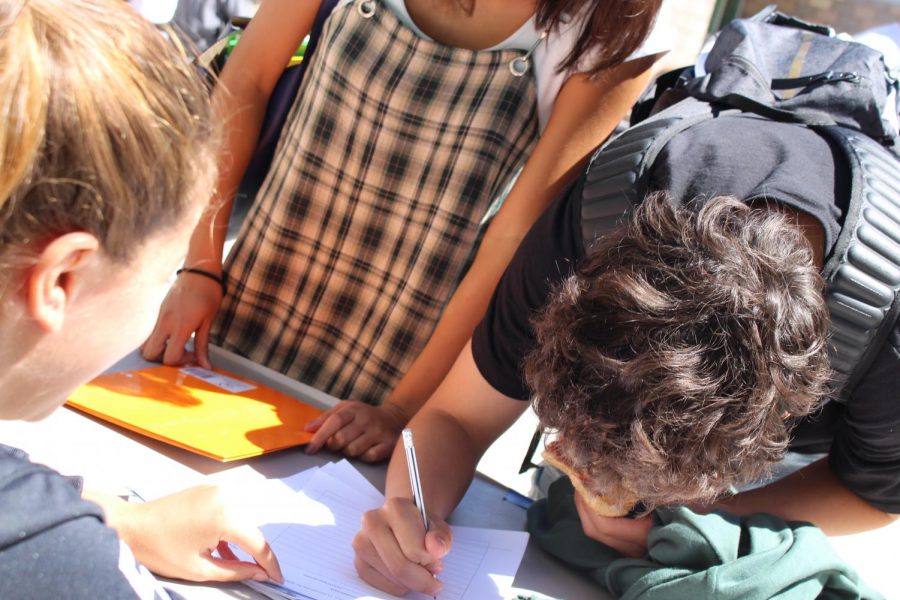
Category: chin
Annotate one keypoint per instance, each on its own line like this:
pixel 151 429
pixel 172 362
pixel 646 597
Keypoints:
pixel 38 407
pixel 41 414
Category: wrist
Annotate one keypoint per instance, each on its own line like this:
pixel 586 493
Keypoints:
pixel 118 513
pixel 398 412
pixel 218 277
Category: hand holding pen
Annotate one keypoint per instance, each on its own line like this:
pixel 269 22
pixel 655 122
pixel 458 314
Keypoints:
pixel 395 551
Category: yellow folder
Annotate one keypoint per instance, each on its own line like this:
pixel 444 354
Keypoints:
pixel 210 412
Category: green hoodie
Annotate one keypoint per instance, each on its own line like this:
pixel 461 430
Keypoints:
pixel 690 556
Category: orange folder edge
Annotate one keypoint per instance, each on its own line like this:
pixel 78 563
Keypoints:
pixel 123 400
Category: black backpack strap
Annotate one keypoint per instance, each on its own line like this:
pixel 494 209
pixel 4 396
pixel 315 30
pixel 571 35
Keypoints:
pixel 616 178
pixel 863 271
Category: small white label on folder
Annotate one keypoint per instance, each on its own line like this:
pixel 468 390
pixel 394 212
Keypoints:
pixel 229 384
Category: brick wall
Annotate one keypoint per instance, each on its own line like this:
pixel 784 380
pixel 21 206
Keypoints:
pixel 851 16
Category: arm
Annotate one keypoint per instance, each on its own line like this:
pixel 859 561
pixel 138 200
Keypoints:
pixel 452 430
pixel 585 113
pixel 174 536
pixel 811 494
pixel 856 488
pixel 240 99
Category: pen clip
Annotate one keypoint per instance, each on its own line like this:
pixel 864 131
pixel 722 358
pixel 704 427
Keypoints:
pixel 414 480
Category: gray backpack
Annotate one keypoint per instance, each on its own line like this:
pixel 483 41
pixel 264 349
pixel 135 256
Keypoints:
pixel 784 69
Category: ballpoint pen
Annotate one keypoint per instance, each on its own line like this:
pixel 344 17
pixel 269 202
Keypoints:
pixel 415 481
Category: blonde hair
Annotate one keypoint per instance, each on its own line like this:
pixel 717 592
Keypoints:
pixel 104 127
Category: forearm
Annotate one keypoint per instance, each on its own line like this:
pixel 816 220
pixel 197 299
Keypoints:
pixel 813 494
pixel 240 99
pixel 446 458
pixel 242 129
pixel 464 417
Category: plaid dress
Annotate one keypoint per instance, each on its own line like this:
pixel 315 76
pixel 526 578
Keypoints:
pixel 389 159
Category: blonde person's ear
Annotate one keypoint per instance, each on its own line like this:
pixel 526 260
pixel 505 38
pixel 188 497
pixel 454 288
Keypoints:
pixel 54 277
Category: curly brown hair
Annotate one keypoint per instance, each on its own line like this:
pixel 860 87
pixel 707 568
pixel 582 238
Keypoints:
pixel 673 360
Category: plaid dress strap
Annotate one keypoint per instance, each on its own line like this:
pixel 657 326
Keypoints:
pixel 389 159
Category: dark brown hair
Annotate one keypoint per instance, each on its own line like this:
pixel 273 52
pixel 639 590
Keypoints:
pixel 105 127
pixel 674 359
pixel 613 29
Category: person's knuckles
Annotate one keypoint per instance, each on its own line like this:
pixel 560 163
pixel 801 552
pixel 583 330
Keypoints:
pixel 361 544
pixel 346 416
pixel 377 578
pixel 357 448
pixel 338 439
pixel 408 572
pixel 372 521
pixel 398 507
pixel 370 455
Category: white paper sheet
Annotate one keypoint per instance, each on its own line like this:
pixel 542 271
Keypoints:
pixel 313 534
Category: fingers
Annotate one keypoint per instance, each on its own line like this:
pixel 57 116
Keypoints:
pixel 317 422
pixel 155 345
pixel 225 551
pixel 628 536
pixel 228 567
pixel 201 344
pixel 174 353
pixel 392 541
pixel 334 420
pixel 372 570
pixel 252 541
pixel 405 522
pixel 351 431
pixel 378 452
pixel 218 569
pixel 361 444
pixel 189 306
pixel 439 539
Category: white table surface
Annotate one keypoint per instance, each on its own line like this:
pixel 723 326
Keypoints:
pixel 113 459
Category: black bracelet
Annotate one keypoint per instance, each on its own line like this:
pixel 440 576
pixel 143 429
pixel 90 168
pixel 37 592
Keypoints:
pixel 208 274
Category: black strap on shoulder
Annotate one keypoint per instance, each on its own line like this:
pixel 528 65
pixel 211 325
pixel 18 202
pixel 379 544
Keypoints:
pixel 863 271
pixel 616 177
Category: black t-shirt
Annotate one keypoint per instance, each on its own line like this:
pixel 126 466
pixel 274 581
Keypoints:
pixel 53 544
pixel 751 159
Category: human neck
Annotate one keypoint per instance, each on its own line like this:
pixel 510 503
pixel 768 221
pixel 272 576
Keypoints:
pixel 489 23
pixel 814 233
pixel 25 381
pixel 810 226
